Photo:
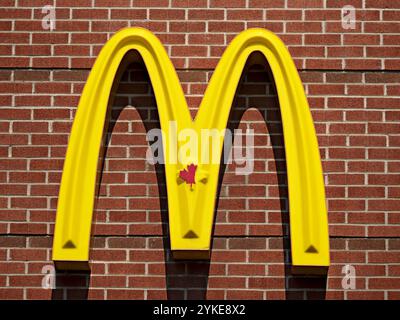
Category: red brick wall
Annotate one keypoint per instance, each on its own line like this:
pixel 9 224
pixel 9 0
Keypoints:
pixel 351 78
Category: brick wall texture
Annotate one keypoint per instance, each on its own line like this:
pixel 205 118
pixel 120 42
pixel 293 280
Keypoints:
pixel 351 77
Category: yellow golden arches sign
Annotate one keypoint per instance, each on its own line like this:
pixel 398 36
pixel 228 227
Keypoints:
pixel 191 210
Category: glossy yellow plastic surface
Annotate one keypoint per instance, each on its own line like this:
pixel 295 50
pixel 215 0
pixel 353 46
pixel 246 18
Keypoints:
pixel 191 208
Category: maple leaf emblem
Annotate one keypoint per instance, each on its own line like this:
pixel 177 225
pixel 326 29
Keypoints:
pixel 189 174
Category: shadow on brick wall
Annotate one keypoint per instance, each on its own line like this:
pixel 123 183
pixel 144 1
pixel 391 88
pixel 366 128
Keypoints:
pixel 71 286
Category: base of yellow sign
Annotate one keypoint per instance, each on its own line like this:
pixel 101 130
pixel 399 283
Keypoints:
pixel 309 270
pixel 72 265
pixel 191 254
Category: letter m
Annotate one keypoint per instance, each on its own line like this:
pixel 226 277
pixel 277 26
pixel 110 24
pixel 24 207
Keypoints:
pixel 191 206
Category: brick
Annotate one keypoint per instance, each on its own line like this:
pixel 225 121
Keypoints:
pixel 366 295
pixel 382 27
pixel 19 202
pixel 126 242
pixel 366 217
pixel 244 294
pixel 304 27
pixel 123 268
pixel 166 14
pixel 277 14
pixel 341 230
pixel 241 243
pixel 367 244
pixel 15 189
pixel 11 293
pixel 228 256
pixel 266 282
pixel 383 231
pixel 246 269
pixel 151 3
pixel 232 4
pixel 125 294
pixel 386 283
pixel 363 192
pixel 108 281
pixel 226 26
pixel 189 26
pixel 267 3
pixel 322 39
pixel 183 51
pixel 225 282
pixel 147 282
pixel 266 257
pixel 348 257
pixel 189 3
pixel 27 255
pixel 244 14
pixel 108 255
pixel 215 14
pixel 12 241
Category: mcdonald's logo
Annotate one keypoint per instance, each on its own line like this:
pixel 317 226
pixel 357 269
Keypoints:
pixel 191 209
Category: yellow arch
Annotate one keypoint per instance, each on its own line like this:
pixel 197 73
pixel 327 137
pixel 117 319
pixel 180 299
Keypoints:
pixel 191 210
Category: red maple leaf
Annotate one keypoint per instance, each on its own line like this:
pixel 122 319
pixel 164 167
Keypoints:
pixel 189 174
